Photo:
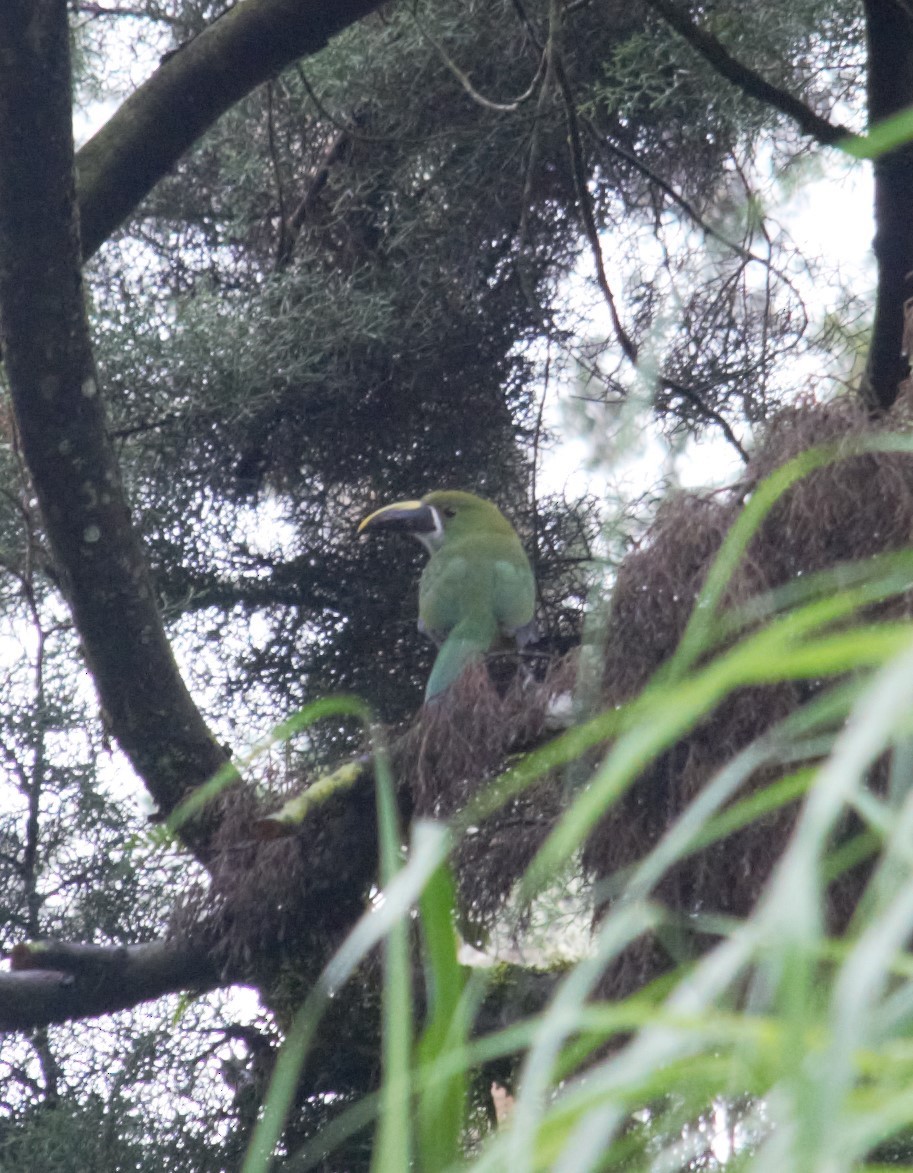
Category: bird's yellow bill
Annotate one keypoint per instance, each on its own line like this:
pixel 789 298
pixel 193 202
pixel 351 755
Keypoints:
pixel 398 506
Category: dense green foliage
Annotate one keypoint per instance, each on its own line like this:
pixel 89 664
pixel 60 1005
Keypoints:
pixel 342 297
pixel 370 279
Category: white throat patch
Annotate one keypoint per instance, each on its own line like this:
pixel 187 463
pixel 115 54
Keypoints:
pixel 433 538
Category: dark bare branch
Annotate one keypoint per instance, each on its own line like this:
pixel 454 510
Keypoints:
pixel 590 230
pixel 748 80
pixel 147 135
pixel 56 981
pixel 105 10
pixel 334 154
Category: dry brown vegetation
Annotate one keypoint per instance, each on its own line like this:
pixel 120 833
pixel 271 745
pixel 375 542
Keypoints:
pixel 857 506
pixel 853 508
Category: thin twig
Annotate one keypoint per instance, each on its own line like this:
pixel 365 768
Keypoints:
pixel 626 342
pixel 139 429
pixel 602 142
pixel 334 153
pixel 351 128
pixel 537 438
pixel 590 230
pixel 463 79
pixel 95 10
pixel 706 410
pixel 282 245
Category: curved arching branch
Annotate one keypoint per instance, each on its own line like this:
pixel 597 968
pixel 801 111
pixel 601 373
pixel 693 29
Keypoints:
pixel 192 88
pixel 47 350
pixel 61 421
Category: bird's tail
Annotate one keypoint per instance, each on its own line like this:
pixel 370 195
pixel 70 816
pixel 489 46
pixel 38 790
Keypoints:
pixel 463 645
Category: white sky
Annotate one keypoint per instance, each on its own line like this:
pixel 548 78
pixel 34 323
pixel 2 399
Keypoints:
pixel 828 210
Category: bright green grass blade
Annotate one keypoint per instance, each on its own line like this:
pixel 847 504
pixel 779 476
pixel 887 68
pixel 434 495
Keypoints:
pixel 886 135
pixel 430 845
pixel 441 1101
pixel 667 713
pixel 560 1021
pixel 583 1127
pixel 393 1141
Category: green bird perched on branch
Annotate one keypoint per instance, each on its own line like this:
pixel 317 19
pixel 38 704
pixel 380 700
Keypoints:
pixel 477 588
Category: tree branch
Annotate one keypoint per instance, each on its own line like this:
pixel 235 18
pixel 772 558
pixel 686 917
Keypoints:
pixel 56 981
pixel 335 153
pixel 96 10
pixel 61 420
pixel 193 87
pixel 889 30
pixel 748 80
pixel 48 355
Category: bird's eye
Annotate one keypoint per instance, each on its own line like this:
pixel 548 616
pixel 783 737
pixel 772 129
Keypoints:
pixel 448 512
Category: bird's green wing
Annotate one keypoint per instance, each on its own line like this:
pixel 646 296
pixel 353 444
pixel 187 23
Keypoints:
pixel 514 598
pixel 472 591
pixel 456 606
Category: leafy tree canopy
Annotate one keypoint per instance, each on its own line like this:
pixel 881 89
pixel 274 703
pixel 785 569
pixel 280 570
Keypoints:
pixel 331 262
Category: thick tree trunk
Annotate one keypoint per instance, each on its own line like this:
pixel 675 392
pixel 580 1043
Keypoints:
pixel 61 422
pixel 889 29
pixel 60 417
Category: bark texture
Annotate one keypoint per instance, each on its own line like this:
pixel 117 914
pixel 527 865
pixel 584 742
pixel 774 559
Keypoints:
pixel 889 31
pixel 147 135
pixel 61 421
pixel 60 418
pixel 54 981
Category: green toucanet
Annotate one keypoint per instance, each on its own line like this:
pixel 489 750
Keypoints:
pixel 477 587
